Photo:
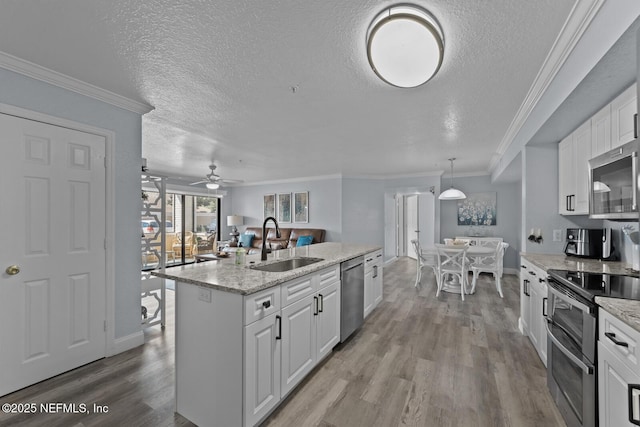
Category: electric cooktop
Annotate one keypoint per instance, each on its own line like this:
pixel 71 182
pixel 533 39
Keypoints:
pixel 591 285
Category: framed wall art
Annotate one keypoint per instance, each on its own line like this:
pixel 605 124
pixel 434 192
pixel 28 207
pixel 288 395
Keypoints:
pixel 301 207
pixel 269 205
pixel 284 207
pixel 478 209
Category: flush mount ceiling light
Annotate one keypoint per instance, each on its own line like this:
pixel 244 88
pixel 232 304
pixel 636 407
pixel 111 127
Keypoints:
pixel 452 193
pixel 212 185
pixel 405 46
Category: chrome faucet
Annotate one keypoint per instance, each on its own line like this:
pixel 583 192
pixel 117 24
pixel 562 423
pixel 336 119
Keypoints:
pixel 264 252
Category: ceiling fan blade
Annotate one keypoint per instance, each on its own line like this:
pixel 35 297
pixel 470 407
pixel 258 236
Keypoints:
pixel 199 182
pixel 231 181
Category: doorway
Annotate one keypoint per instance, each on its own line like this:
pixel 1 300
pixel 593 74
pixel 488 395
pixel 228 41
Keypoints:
pixel 415 218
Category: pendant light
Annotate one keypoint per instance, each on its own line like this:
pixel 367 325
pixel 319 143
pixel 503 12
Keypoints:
pixel 452 193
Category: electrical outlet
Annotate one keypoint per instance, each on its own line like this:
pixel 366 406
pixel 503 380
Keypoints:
pixel 557 235
pixel 204 294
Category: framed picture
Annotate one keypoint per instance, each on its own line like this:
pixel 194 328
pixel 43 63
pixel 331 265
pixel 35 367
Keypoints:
pixel 284 207
pixel 478 209
pixel 269 205
pixel 301 207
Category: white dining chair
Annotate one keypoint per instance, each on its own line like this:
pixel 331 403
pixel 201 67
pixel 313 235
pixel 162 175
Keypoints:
pixel 490 264
pixel 425 259
pixel 452 261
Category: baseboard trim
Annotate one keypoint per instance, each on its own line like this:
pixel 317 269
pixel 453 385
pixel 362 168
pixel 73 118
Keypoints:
pixel 511 271
pixel 127 342
pixel 390 261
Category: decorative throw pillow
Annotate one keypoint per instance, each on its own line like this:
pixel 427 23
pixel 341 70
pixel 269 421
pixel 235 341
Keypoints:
pixel 304 240
pixel 246 240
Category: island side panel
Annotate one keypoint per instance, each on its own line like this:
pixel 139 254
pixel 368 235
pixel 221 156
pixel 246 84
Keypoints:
pixel 209 346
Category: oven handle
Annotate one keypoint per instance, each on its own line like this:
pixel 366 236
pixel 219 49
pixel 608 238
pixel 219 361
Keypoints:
pixel 587 369
pixel 569 300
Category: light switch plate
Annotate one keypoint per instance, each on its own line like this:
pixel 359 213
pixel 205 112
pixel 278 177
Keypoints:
pixel 557 235
pixel 204 294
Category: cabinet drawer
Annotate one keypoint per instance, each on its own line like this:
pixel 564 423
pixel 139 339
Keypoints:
pixel 296 289
pixel 261 304
pixel 371 258
pixel 614 330
pixel 328 276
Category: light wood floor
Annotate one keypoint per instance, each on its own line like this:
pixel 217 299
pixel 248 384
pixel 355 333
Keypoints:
pixel 417 361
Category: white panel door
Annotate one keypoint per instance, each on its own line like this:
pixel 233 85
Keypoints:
pixel 298 342
pixel 52 182
pixel 412 230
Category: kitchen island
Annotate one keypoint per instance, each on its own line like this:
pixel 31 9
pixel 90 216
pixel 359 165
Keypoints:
pixel 245 338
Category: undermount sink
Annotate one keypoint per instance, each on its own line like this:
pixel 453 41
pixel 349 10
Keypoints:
pixel 286 264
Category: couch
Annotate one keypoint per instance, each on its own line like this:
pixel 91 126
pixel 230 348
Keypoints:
pixel 288 237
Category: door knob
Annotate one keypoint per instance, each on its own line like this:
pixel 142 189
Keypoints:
pixel 12 270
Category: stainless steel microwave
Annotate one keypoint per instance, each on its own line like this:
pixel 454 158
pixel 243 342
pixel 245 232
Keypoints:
pixel 613 183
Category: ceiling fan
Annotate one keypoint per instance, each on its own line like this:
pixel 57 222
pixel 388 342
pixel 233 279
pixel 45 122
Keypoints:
pixel 213 180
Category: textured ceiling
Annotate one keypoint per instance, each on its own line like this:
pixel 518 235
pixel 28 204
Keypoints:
pixel 282 89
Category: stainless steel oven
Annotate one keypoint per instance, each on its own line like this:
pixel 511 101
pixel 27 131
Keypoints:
pixel 571 352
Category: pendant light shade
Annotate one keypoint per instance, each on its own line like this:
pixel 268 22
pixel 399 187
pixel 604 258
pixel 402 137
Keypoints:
pixel 452 193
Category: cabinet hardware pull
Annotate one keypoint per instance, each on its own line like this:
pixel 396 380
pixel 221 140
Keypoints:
pixel 523 266
pixel 635 125
pixel 321 303
pixel 375 271
pixel 544 307
pixel 266 304
pixel 315 303
pixel 526 287
pixel 540 279
pixel 532 273
pixel 616 341
pixel 279 320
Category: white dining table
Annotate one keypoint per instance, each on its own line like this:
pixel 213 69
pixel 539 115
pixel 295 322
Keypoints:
pixel 453 285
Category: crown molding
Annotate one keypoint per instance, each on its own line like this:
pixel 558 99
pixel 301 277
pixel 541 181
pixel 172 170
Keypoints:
pixel 581 15
pixel 29 69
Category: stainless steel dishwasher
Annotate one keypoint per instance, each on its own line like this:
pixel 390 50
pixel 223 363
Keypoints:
pixel 351 296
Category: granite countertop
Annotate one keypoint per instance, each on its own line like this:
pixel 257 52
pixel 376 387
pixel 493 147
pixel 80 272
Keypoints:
pixel 225 275
pixel 564 262
pixel 626 310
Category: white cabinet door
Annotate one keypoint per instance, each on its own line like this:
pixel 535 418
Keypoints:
pixel 537 329
pixel 377 283
pixel 601 131
pixel 328 319
pixel 368 291
pixel 525 285
pixel 535 313
pixel 623 110
pixel 298 341
pixel 262 368
pixel 566 177
pixel 582 154
pixel 614 378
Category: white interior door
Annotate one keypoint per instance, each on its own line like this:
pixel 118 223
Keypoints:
pixel 412 230
pixel 52 311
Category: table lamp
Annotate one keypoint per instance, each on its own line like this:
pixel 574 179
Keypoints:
pixel 233 221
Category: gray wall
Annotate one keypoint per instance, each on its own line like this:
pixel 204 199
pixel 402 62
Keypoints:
pixel 508 214
pixel 363 211
pixel 27 93
pixel 325 209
